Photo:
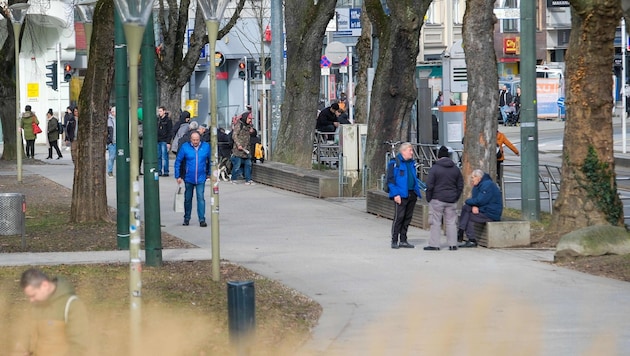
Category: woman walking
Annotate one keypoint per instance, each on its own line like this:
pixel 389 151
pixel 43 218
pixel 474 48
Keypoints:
pixel 28 118
pixel 53 135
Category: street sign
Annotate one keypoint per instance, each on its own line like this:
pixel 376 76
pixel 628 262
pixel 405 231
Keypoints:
pixel 506 13
pixel 561 102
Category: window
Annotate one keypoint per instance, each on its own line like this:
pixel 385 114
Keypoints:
pixel 510 25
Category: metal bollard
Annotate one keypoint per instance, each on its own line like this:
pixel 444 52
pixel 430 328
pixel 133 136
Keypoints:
pixel 241 314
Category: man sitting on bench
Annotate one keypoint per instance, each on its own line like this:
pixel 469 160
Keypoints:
pixel 485 205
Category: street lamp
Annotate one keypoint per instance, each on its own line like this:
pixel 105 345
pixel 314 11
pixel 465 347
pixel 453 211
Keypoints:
pixel 18 13
pixel 212 11
pixel 86 14
pixel 134 15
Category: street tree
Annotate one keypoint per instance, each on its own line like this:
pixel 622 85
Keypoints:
pixel 89 196
pixel 7 87
pixel 397 29
pixel 364 53
pixel 588 193
pixel 174 65
pixel 481 63
pixel 305 27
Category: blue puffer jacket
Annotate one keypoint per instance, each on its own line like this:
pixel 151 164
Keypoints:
pixel 487 197
pixel 196 163
pixel 397 177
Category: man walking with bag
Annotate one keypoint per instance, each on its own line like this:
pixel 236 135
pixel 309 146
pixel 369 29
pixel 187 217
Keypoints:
pixel 192 166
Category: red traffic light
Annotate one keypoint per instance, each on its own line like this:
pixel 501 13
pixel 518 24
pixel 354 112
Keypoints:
pixel 242 65
pixel 67 68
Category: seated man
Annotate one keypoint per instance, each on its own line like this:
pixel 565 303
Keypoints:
pixel 327 120
pixel 485 205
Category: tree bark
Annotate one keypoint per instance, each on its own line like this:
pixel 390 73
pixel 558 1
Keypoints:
pixel 305 30
pixel 89 195
pixel 8 110
pixel 173 69
pixel 483 80
pixel 364 53
pixel 588 118
pixel 394 89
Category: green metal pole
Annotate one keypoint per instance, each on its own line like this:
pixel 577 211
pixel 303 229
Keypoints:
pixel 134 33
pixel 121 85
pixel 530 202
pixel 213 30
pixel 152 230
pixel 18 132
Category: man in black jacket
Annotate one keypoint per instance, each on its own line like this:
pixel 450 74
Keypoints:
pixel 444 187
pixel 327 120
pixel 164 137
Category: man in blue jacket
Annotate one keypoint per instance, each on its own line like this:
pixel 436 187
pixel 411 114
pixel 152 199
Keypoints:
pixel 404 189
pixel 194 156
pixel 485 205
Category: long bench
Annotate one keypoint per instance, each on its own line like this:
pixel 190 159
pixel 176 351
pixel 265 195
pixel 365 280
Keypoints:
pixel 319 184
pixel 504 233
pixel 378 203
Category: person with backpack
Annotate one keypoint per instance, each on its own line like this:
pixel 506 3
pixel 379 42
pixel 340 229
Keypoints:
pixel 59 324
pixel 53 134
pixel 241 155
pixel 404 190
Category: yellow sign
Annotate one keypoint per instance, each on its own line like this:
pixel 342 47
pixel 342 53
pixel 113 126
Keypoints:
pixel 192 106
pixel 32 90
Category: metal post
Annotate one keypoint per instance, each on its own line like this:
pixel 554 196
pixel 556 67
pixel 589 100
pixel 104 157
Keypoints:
pixel 530 203
pixel 212 26
pixel 18 132
pixel 152 229
pixel 121 85
pixel 350 90
pixel 277 72
pixel 624 47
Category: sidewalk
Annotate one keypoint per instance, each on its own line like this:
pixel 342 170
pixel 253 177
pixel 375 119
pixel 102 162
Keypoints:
pixel 382 301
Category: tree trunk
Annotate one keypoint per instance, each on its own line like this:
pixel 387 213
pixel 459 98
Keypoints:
pixel 588 193
pixel 483 80
pixel 394 90
pixel 8 110
pixel 305 30
pixel 173 69
pixel 364 53
pixel 89 196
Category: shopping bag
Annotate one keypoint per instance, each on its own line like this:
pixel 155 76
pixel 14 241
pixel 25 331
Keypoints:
pixel 36 128
pixel 178 202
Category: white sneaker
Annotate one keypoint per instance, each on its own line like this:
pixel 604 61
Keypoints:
pixel 250 182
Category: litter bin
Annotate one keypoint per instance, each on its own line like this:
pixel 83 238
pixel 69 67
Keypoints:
pixel 12 215
pixel 241 314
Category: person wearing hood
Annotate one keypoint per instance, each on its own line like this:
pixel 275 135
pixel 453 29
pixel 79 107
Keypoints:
pixel 28 118
pixel 184 117
pixel 404 190
pixel 241 155
pixel 53 134
pixel 484 205
pixel 444 187
pixel 59 322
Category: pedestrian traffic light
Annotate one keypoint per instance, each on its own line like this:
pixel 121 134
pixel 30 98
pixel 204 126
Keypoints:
pixel 242 70
pixel 52 74
pixel 67 72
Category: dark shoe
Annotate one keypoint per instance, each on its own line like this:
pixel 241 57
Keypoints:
pixel 468 244
pixel 60 157
pixel 452 248
pixel 405 244
pixel 395 245
pixel 460 235
pixel 159 174
pixel 186 223
pixel 48 157
pixel 203 224
pixel 431 248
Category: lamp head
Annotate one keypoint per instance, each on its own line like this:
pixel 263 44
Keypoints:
pixel 18 12
pixel 213 9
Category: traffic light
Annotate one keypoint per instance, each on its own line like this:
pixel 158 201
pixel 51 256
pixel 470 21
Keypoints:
pixel 52 74
pixel 67 72
pixel 242 70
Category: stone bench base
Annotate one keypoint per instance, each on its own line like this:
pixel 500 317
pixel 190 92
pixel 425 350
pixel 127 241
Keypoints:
pixel 378 203
pixel 319 184
pixel 500 234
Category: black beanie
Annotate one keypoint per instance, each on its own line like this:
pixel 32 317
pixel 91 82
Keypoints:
pixel 443 152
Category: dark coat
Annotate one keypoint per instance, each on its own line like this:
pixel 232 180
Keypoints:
pixel 487 197
pixel 445 182
pixel 165 129
pixel 326 120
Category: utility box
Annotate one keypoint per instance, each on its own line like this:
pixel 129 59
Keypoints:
pixel 12 215
pixel 451 125
pixel 352 145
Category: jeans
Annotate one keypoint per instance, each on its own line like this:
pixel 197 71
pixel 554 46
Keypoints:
pixel 162 158
pixel 236 168
pixel 503 110
pixel 201 201
pixel 111 157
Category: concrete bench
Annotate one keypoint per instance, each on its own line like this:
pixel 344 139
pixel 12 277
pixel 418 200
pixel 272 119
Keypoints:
pixel 504 233
pixel 319 184
pixel 378 203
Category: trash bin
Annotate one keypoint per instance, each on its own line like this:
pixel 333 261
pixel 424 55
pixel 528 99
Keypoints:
pixel 12 215
pixel 241 313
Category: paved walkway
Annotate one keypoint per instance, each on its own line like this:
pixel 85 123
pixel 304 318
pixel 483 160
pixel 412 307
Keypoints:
pixel 381 301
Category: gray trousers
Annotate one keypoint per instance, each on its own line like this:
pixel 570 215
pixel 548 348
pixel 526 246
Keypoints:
pixel 439 209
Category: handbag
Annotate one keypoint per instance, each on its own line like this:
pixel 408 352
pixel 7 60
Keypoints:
pixel 178 202
pixel 36 129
